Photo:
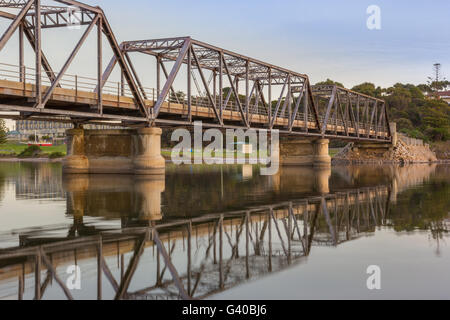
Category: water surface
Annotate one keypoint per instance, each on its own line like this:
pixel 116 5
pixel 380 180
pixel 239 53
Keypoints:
pixel 227 231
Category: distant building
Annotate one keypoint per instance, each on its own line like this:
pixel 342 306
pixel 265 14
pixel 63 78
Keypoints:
pixel 55 130
pixel 444 95
pixel 13 135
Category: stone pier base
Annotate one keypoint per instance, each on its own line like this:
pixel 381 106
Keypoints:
pixel 373 150
pixel 131 151
pixel 306 152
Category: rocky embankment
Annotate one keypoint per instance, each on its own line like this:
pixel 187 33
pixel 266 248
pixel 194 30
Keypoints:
pixel 401 153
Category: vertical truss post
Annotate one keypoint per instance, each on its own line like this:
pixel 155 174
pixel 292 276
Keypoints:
pixel 158 268
pixel 189 84
pixel 158 76
pixel 269 219
pixel 247 90
pixel 21 54
pixel 122 84
pixel 269 102
pixel 21 287
pixel 306 109
pixel 388 125
pixel 357 116
pixel 214 247
pixel 189 253
pixel 371 119
pixel 376 120
pixel 215 86
pixel 247 240
pixel 99 267
pixel 37 36
pixel 221 106
pixel 288 98
pixel 99 66
pixel 37 276
pixel 221 283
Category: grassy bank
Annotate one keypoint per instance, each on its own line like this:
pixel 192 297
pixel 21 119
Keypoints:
pixel 166 153
pixel 16 149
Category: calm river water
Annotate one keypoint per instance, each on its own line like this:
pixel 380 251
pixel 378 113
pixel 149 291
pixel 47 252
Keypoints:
pixel 225 232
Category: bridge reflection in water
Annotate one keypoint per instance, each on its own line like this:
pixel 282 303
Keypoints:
pixel 170 257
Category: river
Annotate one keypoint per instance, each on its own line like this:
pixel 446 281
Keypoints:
pixel 225 232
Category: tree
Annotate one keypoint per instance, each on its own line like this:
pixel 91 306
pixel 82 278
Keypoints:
pixel 330 82
pixel 178 96
pixel 368 89
pixel 3 132
pixel 33 137
pixel 419 116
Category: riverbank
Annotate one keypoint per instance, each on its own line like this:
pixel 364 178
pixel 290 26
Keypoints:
pixel 402 153
pixel 442 149
pixel 340 156
pixel 16 159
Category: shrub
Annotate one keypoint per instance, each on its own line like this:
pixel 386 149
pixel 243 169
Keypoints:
pixel 55 155
pixel 30 152
pixel 3 132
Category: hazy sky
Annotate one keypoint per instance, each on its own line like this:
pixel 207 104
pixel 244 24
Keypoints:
pixel 322 38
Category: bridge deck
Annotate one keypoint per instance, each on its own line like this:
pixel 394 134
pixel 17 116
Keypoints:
pixel 64 101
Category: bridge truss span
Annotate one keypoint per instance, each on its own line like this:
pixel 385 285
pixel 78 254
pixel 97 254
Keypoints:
pixel 194 81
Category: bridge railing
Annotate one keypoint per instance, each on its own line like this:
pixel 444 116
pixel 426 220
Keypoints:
pixel 78 83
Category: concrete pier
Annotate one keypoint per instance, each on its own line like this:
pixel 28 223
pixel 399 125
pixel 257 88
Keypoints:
pixel 307 152
pixel 76 160
pixel 122 151
pixel 147 154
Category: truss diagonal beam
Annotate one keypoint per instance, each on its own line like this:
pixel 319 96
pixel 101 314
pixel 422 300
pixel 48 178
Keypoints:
pixel 67 63
pixel 163 95
pixel 15 24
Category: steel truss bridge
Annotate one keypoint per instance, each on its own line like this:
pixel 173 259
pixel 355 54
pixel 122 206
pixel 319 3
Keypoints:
pixel 194 258
pixel 221 88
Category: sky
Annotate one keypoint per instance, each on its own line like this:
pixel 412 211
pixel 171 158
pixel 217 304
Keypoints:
pixel 322 38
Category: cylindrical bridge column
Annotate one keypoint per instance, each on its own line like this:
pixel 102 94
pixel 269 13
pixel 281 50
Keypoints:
pixel 148 159
pixel 76 160
pixel 297 151
pixel 321 154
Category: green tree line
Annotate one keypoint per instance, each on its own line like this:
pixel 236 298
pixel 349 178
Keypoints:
pixel 416 109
